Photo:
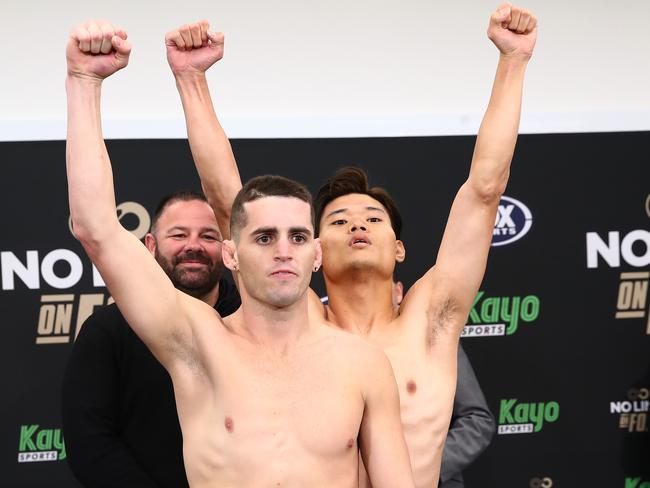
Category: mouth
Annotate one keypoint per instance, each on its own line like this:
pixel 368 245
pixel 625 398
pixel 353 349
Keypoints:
pixel 359 241
pixel 193 262
pixel 193 259
pixel 283 273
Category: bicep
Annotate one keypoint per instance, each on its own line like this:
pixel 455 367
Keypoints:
pixel 462 257
pixel 446 292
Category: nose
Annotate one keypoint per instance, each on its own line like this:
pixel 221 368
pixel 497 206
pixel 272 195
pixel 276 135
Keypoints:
pixel 355 227
pixel 283 250
pixel 193 243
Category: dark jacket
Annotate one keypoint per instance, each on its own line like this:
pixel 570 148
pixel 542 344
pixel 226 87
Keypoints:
pixel 472 426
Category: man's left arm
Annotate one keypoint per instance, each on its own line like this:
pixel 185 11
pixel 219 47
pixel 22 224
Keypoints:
pixel 451 285
pixel 472 424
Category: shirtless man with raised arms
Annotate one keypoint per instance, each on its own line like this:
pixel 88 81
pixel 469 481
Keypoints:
pixel 266 397
pixel 359 232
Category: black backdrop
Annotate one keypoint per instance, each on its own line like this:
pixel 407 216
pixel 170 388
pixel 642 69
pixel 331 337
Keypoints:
pixel 576 366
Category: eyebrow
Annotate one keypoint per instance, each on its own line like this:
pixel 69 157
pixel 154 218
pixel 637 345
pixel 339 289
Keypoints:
pixel 274 231
pixel 343 210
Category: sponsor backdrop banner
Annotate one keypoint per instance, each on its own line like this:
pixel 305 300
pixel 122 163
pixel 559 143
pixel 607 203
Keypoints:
pixel 559 334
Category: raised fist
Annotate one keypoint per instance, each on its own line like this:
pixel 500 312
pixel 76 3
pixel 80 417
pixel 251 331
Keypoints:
pixel 513 30
pixel 97 49
pixel 193 48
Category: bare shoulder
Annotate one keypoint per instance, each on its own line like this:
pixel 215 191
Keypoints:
pixel 197 312
pixel 429 308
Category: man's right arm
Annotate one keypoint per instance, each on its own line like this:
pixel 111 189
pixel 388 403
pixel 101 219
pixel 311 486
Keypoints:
pixel 191 50
pixel 144 294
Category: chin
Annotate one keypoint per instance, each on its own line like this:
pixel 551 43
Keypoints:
pixel 361 265
pixel 282 300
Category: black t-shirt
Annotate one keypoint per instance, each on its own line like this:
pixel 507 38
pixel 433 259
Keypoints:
pixel 119 414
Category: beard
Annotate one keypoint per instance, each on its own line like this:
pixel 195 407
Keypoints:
pixel 194 283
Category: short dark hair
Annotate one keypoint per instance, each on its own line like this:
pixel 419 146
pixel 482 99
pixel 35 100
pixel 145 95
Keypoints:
pixel 177 196
pixel 266 186
pixel 355 180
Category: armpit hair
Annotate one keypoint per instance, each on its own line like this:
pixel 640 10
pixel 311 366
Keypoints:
pixel 188 354
pixel 439 320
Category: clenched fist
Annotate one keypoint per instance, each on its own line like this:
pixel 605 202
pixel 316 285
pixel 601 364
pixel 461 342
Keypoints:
pixel 193 48
pixel 513 30
pixel 97 49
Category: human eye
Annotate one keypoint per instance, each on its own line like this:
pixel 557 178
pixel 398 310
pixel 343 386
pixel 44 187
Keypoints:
pixel 263 239
pixel 374 219
pixel 178 235
pixel 210 237
pixel 339 222
pixel 299 238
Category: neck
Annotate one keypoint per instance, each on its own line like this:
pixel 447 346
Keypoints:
pixel 275 328
pixel 360 304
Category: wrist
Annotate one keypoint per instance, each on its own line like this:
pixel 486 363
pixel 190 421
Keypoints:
pixel 77 79
pixel 189 76
pixel 191 85
pixel 515 58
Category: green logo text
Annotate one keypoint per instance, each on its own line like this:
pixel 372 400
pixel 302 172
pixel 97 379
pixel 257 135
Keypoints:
pixel 509 310
pixel 511 412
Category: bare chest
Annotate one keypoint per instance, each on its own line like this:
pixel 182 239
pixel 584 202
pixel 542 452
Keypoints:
pixel 305 400
pixel 273 416
pixel 420 387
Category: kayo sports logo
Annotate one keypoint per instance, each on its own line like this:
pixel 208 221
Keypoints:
pixel 513 221
pixel 498 316
pixel 525 418
pixel 40 445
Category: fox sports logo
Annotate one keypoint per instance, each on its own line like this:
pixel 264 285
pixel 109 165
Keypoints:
pixel 513 221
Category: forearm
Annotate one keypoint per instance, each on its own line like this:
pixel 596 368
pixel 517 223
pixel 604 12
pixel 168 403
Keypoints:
pixel 210 147
pixel 497 135
pixel 90 179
